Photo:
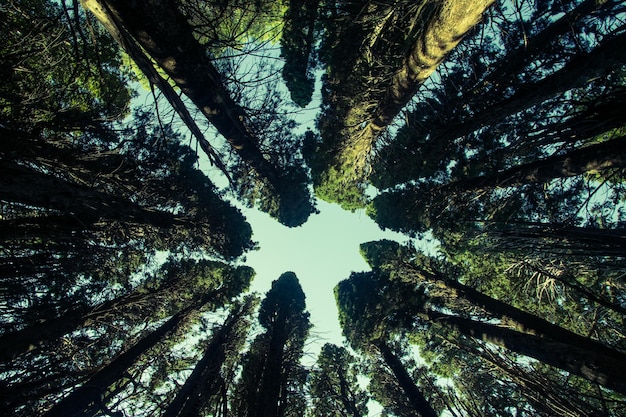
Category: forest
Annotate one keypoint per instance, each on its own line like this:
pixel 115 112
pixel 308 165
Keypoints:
pixel 132 134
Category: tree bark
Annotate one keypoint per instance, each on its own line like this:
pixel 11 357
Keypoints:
pixel 594 158
pixel 578 72
pixel 521 320
pixel 444 25
pixel 581 361
pixel 347 397
pixel 443 30
pixel 415 396
pixel 28 186
pixel 587 240
pixel 161 30
pixel 270 389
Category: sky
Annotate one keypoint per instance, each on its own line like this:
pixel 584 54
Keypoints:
pixel 322 252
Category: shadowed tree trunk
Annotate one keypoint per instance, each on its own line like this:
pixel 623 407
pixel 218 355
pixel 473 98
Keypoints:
pixel 560 238
pixel 92 390
pixel 204 380
pixel 270 390
pixel 417 400
pixel 33 337
pixel 541 392
pixel 88 205
pixel 578 72
pixel 594 158
pixel 347 396
pixel 569 356
pixel 518 319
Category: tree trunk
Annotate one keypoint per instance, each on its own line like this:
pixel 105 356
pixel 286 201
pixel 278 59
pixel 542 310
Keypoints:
pixel 93 389
pixel 417 400
pixel 444 25
pixel 90 205
pixel 541 392
pixel 520 320
pixel 602 242
pixel 347 396
pixel 160 29
pixel 270 389
pixel 204 379
pixel 578 72
pixel 443 30
pixel 568 356
pixel 594 158
pixel 35 336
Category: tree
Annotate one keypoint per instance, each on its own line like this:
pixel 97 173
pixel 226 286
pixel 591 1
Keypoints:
pixel 369 314
pixel 205 380
pixel 509 95
pixel 377 302
pixel 368 85
pixel 595 158
pixel 296 46
pixel 90 391
pixel 333 384
pixel 180 55
pixel 272 378
pixel 415 396
pixel 175 282
pixel 588 364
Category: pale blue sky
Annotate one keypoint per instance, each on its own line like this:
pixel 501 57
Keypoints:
pixel 321 252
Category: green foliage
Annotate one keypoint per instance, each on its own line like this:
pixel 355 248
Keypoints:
pixel 372 307
pixel 333 384
pixel 52 69
pixel 398 210
pixel 296 46
pixel 285 300
pixel 272 377
pixel 332 187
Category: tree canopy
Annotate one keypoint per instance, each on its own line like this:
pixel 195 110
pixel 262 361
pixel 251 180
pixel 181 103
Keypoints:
pixel 489 132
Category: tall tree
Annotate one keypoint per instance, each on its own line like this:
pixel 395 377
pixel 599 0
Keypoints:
pixel 180 56
pixel 402 281
pixel 205 379
pixel 595 158
pixel 588 364
pixel 518 330
pixel 369 316
pixel 512 93
pixel 92 389
pixel 175 282
pixel 296 47
pixel 272 375
pixel 333 384
pixel 398 46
